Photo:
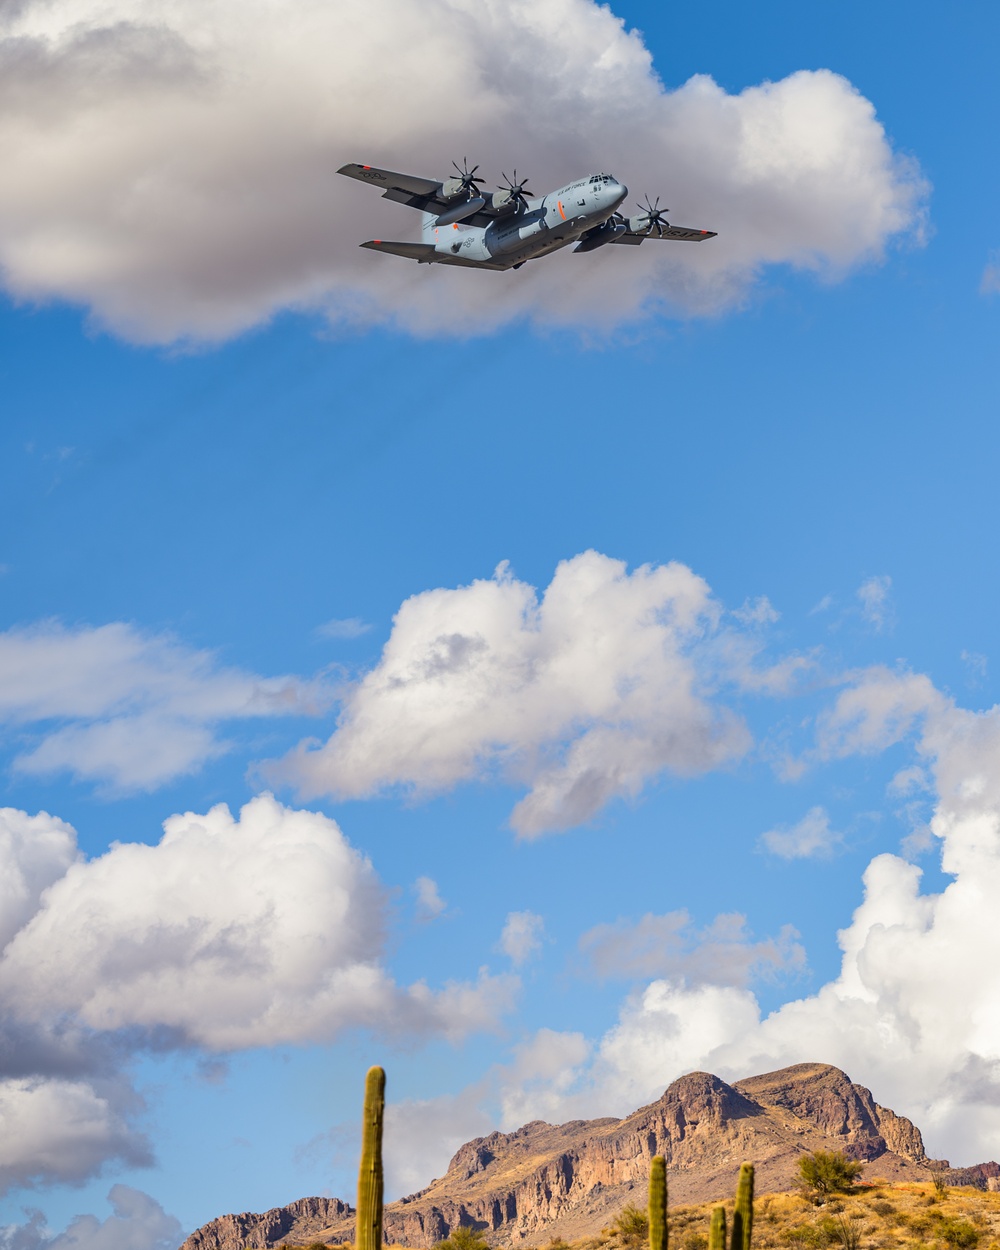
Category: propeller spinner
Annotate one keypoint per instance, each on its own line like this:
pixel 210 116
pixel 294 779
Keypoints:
pixel 653 217
pixel 517 192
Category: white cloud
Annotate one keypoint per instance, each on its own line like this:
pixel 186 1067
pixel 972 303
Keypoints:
pixel 989 284
pixel 810 838
pixel 127 709
pixel 170 164
pixel 759 611
pixel 58 1130
pixel 138 1222
pixel 34 852
pixel 875 596
pixel 584 695
pixel 915 1010
pixel 142 937
pixel 348 627
pixel 430 904
pixel 522 936
pixel 723 953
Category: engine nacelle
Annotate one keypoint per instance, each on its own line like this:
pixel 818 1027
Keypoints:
pixel 459 212
pixel 504 203
pixel 601 235
pixel 452 187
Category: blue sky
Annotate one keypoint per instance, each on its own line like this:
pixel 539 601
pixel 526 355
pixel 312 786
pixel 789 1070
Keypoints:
pixel 203 471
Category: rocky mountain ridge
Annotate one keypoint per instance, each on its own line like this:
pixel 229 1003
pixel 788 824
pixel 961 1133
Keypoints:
pixel 569 1180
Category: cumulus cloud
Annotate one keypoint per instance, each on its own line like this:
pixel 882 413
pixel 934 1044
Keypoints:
pixel 914 1012
pixel 58 1130
pixel 127 709
pixel 141 937
pixel 171 163
pixel 809 838
pixel 583 694
pixel 138 1222
pixel 723 953
pixel 345 628
pixel 522 936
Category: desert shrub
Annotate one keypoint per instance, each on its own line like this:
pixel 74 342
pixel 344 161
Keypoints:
pixel 464 1238
pixel 828 1171
pixel 940 1186
pixel 881 1207
pixel 630 1224
pixel 693 1240
pixel 958 1234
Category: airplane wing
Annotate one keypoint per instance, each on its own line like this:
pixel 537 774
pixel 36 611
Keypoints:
pixel 419 193
pixel 424 254
pixel 682 233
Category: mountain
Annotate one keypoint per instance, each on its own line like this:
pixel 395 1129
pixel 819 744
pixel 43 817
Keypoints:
pixel 569 1180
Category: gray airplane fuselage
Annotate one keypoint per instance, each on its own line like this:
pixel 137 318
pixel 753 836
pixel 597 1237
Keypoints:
pixel 543 224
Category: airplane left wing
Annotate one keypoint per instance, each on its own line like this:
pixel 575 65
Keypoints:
pixel 683 234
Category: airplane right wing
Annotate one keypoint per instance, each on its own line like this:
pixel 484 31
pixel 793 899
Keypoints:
pixel 420 193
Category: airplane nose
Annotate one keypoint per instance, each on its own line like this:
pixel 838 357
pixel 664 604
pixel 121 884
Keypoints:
pixel 622 192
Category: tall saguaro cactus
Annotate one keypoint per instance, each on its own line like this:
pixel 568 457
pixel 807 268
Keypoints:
pixel 658 1203
pixel 717 1230
pixel 743 1212
pixel 369 1230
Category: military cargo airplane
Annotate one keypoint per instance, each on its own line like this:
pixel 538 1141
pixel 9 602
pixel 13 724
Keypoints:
pixel 463 225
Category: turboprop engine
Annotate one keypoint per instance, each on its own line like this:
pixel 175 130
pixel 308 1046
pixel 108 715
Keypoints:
pixel 459 212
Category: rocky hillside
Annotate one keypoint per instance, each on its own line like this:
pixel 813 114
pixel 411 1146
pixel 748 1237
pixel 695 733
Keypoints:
pixel 569 1180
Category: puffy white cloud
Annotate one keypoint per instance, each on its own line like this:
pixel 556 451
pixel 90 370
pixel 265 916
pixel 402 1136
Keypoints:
pixel 915 1010
pixel 58 1130
pixel 138 1222
pixel 228 933
pixel 723 953
pixel 584 695
pixel 127 709
pixel 809 838
pixel 34 852
pixel 522 936
pixel 170 164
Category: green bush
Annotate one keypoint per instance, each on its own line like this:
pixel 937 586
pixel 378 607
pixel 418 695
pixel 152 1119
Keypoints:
pixel 958 1234
pixel 464 1238
pixel 631 1224
pixel 828 1171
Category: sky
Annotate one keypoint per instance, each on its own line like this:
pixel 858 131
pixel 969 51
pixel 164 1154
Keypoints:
pixel 542 684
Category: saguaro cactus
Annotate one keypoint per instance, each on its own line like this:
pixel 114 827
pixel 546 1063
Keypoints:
pixel 658 1203
pixel 369 1231
pixel 743 1212
pixel 717 1230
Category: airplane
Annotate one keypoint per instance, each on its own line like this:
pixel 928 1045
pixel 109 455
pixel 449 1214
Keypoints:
pixel 464 225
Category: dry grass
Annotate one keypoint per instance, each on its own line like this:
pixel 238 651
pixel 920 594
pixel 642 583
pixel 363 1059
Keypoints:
pixel 870 1217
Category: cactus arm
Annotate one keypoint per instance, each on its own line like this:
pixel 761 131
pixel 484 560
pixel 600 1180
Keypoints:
pixel 369 1224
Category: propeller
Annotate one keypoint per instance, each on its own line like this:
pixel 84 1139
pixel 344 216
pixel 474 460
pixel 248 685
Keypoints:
pixel 466 176
pixel 516 191
pixel 654 216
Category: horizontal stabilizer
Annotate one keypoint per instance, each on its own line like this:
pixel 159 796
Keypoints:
pixel 683 234
pixel 425 254
pixel 422 252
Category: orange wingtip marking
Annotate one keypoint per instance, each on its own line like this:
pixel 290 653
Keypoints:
pixel 377 242
pixel 366 166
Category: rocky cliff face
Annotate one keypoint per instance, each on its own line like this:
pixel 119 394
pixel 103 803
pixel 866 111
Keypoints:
pixel 569 1180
